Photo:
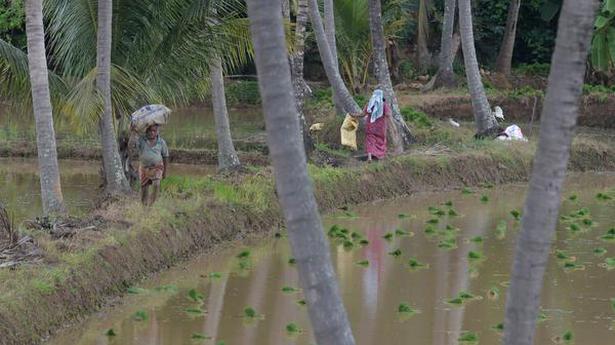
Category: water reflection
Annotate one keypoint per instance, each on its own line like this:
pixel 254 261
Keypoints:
pixel 81 180
pixel 372 294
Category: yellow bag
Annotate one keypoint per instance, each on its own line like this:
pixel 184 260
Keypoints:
pixel 349 132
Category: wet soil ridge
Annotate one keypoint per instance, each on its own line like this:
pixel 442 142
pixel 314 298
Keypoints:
pixel 108 270
pixel 596 111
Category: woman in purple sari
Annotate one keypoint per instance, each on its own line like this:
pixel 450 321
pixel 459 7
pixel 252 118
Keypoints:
pixel 377 112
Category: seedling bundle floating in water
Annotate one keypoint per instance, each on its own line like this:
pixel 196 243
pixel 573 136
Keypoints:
pixel 406 311
pixel 462 298
pixel 195 296
pixel 468 337
pixel 289 289
pixel 293 329
pixel 415 264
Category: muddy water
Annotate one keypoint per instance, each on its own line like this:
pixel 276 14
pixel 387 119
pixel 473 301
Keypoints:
pixel 20 186
pixel 577 300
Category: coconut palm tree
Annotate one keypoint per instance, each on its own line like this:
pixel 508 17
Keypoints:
pixel 115 179
pixel 329 22
pixel 51 189
pixel 542 203
pixel 401 134
pixel 482 112
pixel 309 245
pixel 227 156
pixel 422 36
pixel 445 77
pixel 504 60
pixel 333 75
pixel 297 56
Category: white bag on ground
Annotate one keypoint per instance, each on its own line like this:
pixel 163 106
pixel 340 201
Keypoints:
pixel 512 132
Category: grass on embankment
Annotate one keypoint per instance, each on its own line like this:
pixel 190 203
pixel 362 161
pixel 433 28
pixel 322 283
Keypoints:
pixel 195 214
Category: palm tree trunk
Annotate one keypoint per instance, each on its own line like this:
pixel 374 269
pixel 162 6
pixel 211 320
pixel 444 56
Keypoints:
pixel 482 111
pixel 329 22
pixel 115 179
pixel 401 135
pixel 51 189
pixel 300 87
pixel 424 57
pixel 227 156
pixel 504 60
pixel 445 76
pixel 309 245
pixel 333 74
pixel 541 210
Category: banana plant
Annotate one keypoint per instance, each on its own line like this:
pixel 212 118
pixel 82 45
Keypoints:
pixel 603 43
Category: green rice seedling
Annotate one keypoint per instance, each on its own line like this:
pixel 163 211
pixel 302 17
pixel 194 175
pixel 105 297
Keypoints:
pixel 493 293
pixel 448 203
pixel 500 230
pixel 588 222
pixel 468 337
pixel 599 251
pixel 603 197
pixel 477 239
pixel 573 266
pixel 140 315
pixel 396 253
pixel 499 327
pixel 574 227
pixel 195 296
pixel 249 313
pixel 301 303
pixel 388 236
pixel 136 290
pixel 447 244
pixel 582 212
pixel 403 215
pixel 464 295
pixel 435 211
pixel 609 236
pixel 467 190
pixel 430 230
pixel 613 304
pixel 277 235
pixel 568 337
pixel 289 289
pixel 505 283
pixel 484 199
pixel 110 333
pixel 400 232
pixel 433 221
pixel 215 275
pixel 195 311
pixel 245 264
pixel 452 213
pixel 455 301
pixel 609 263
pixel 573 197
pixel 333 230
pixel 355 235
pixel 474 255
pixel 516 214
pixel 474 272
pixel 561 255
pixel 243 254
pixel 415 264
pixel 292 261
pixel 200 336
pixel 542 317
pixel 166 288
pixel 364 242
pixel 406 310
pixel 362 263
pixel 292 329
pixel 221 342
pixel 348 245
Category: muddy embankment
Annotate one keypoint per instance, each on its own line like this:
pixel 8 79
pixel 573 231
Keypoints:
pixel 202 222
pixel 255 156
pixel 596 111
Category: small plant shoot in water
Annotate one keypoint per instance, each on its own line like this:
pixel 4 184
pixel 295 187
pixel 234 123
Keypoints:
pixel 400 232
pixel 484 199
pixel 292 261
pixel 416 264
pixel 473 255
pixel 136 290
pixel 110 333
pixel 195 311
pixel 406 311
pixel 140 315
pixel 609 236
pixel 388 236
pixel 396 253
pixel 499 327
pixel 477 239
pixel 516 214
pixel 195 296
pixel 215 275
pixel 500 230
pixel 200 336
pixel 467 190
pixel 362 263
pixel 293 329
pixel 289 289
pixel 301 303
pixel 599 251
pixel 244 254
pixel 468 337
pixel 573 197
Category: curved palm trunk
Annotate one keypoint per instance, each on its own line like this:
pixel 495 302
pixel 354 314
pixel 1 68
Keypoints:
pixel 549 169
pixel 115 179
pixel 504 60
pixel 329 22
pixel 482 111
pixel 400 134
pixel 227 156
pixel 309 245
pixel 445 76
pixel 333 74
pixel 51 190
